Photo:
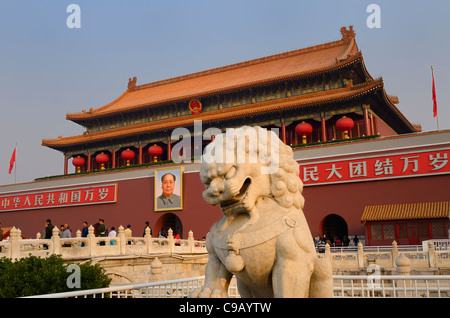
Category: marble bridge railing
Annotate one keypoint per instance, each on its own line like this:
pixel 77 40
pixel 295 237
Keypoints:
pixel 91 246
pixel 361 257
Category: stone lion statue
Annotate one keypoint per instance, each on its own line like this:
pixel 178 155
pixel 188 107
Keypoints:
pixel 263 237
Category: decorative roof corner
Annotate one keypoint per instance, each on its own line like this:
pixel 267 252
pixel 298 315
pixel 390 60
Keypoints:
pixel 394 99
pixel 132 83
pixel 347 34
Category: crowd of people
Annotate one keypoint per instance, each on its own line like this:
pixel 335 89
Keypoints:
pixel 100 230
pixel 321 241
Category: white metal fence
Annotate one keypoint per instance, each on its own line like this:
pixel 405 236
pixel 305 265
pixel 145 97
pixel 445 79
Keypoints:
pixel 345 286
pixel 392 286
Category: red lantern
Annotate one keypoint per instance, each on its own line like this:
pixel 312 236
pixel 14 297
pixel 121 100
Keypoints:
pixel 155 151
pixel 102 159
pixel 345 124
pixel 78 162
pixel 303 129
pixel 128 155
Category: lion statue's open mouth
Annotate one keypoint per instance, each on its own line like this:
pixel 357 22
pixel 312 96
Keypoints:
pixel 238 199
pixel 263 237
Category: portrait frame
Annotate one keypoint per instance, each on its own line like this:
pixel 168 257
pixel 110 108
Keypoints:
pixel 175 202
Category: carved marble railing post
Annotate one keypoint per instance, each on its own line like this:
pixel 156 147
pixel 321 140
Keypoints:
pixel 156 267
pixel 92 243
pixel 191 242
pixel 328 251
pixel 148 239
pixel 14 236
pixel 394 252
pixel 38 236
pixel 403 264
pixel 361 262
pixel 122 241
pixel 56 241
pixel 170 240
pixel 431 254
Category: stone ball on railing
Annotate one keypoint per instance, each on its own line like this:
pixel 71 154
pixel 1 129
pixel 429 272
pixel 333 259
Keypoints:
pixel 55 231
pixel 13 233
pixel 156 266
pixel 91 230
pixel 403 264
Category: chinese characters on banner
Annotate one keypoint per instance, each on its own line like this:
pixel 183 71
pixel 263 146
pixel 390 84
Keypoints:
pixel 404 165
pixel 59 198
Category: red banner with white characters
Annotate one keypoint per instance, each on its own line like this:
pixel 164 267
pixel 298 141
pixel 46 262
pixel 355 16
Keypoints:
pixel 58 198
pixel 372 168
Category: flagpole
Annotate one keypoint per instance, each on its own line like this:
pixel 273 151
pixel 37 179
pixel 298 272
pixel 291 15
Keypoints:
pixel 15 166
pixel 437 114
pixel 437 120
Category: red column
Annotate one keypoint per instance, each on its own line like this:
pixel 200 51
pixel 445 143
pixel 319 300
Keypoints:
pixel 113 158
pixel 283 132
pixel 66 161
pixel 324 129
pixel 169 149
pixel 140 154
pixel 372 125
pixel 366 122
pixel 89 162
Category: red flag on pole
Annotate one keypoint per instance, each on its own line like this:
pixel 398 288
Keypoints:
pixel 434 95
pixel 13 160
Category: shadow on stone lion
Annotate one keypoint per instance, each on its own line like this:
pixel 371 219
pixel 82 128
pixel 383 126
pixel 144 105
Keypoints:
pixel 263 237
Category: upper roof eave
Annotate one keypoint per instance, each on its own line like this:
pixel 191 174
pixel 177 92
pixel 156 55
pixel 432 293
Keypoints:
pixel 274 105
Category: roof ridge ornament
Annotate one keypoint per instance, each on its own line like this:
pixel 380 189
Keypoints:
pixel 347 34
pixel 132 83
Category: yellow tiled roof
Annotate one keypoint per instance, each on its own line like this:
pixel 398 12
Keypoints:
pixel 408 211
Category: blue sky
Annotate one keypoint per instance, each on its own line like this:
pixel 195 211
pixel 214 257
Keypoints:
pixel 48 70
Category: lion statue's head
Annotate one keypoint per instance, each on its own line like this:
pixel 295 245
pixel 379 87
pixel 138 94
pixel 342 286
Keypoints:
pixel 248 164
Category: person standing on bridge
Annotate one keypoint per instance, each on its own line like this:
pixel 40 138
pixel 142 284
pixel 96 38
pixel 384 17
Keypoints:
pixel 102 230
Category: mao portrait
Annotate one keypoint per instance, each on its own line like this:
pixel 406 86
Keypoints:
pixel 168 189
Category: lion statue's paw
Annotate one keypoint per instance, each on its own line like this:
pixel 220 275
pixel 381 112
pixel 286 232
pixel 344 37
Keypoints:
pixel 209 292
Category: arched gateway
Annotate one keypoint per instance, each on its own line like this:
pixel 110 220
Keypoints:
pixel 334 227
